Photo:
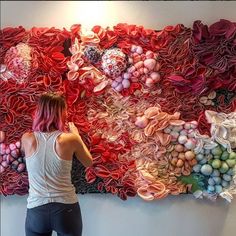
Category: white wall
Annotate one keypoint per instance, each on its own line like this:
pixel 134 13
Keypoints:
pixel 106 215
pixel 151 14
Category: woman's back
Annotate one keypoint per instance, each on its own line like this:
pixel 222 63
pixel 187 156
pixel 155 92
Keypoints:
pixel 49 162
pixel 64 145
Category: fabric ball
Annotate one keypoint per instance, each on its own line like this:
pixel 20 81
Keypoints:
pixel 114 62
pixel 92 54
pixel 18 61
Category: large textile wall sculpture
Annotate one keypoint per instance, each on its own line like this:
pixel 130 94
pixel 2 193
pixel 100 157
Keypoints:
pixel 157 109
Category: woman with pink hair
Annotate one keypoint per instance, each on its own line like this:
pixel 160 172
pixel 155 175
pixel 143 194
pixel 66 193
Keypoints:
pixel 52 201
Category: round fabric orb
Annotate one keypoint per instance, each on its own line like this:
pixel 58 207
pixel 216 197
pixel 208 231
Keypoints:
pixel 92 54
pixel 114 62
pixel 18 61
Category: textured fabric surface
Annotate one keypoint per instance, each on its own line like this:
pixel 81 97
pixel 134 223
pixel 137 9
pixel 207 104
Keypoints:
pixel 145 101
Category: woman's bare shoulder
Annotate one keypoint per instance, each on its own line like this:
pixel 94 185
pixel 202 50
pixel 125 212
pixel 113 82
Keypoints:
pixel 27 135
pixel 68 137
pixel 27 139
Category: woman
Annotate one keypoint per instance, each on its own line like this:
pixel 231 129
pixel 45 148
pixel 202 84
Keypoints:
pixel 52 201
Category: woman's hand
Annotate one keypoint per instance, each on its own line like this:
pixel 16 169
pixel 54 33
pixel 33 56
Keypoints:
pixel 73 129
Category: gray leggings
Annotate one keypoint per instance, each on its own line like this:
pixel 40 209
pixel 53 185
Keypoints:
pixel 65 219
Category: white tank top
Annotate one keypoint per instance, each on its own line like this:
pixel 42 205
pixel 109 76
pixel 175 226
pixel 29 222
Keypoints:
pixel 49 175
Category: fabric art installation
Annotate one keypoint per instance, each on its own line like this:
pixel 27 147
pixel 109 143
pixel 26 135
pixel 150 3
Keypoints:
pixel 156 108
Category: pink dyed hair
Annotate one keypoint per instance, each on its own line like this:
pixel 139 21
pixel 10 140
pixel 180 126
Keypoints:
pixel 50 113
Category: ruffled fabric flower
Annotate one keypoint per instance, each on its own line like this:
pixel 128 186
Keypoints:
pixel 10 37
pixel 12 182
pixel 223 28
pixel 223 128
pixel 214 46
pixel 49 47
pixel 88 76
pixel 44 38
pixel 133 34
pixel 107 37
pixel 5 74
pixel 113 172
pixel 89 38
pixel 200 31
